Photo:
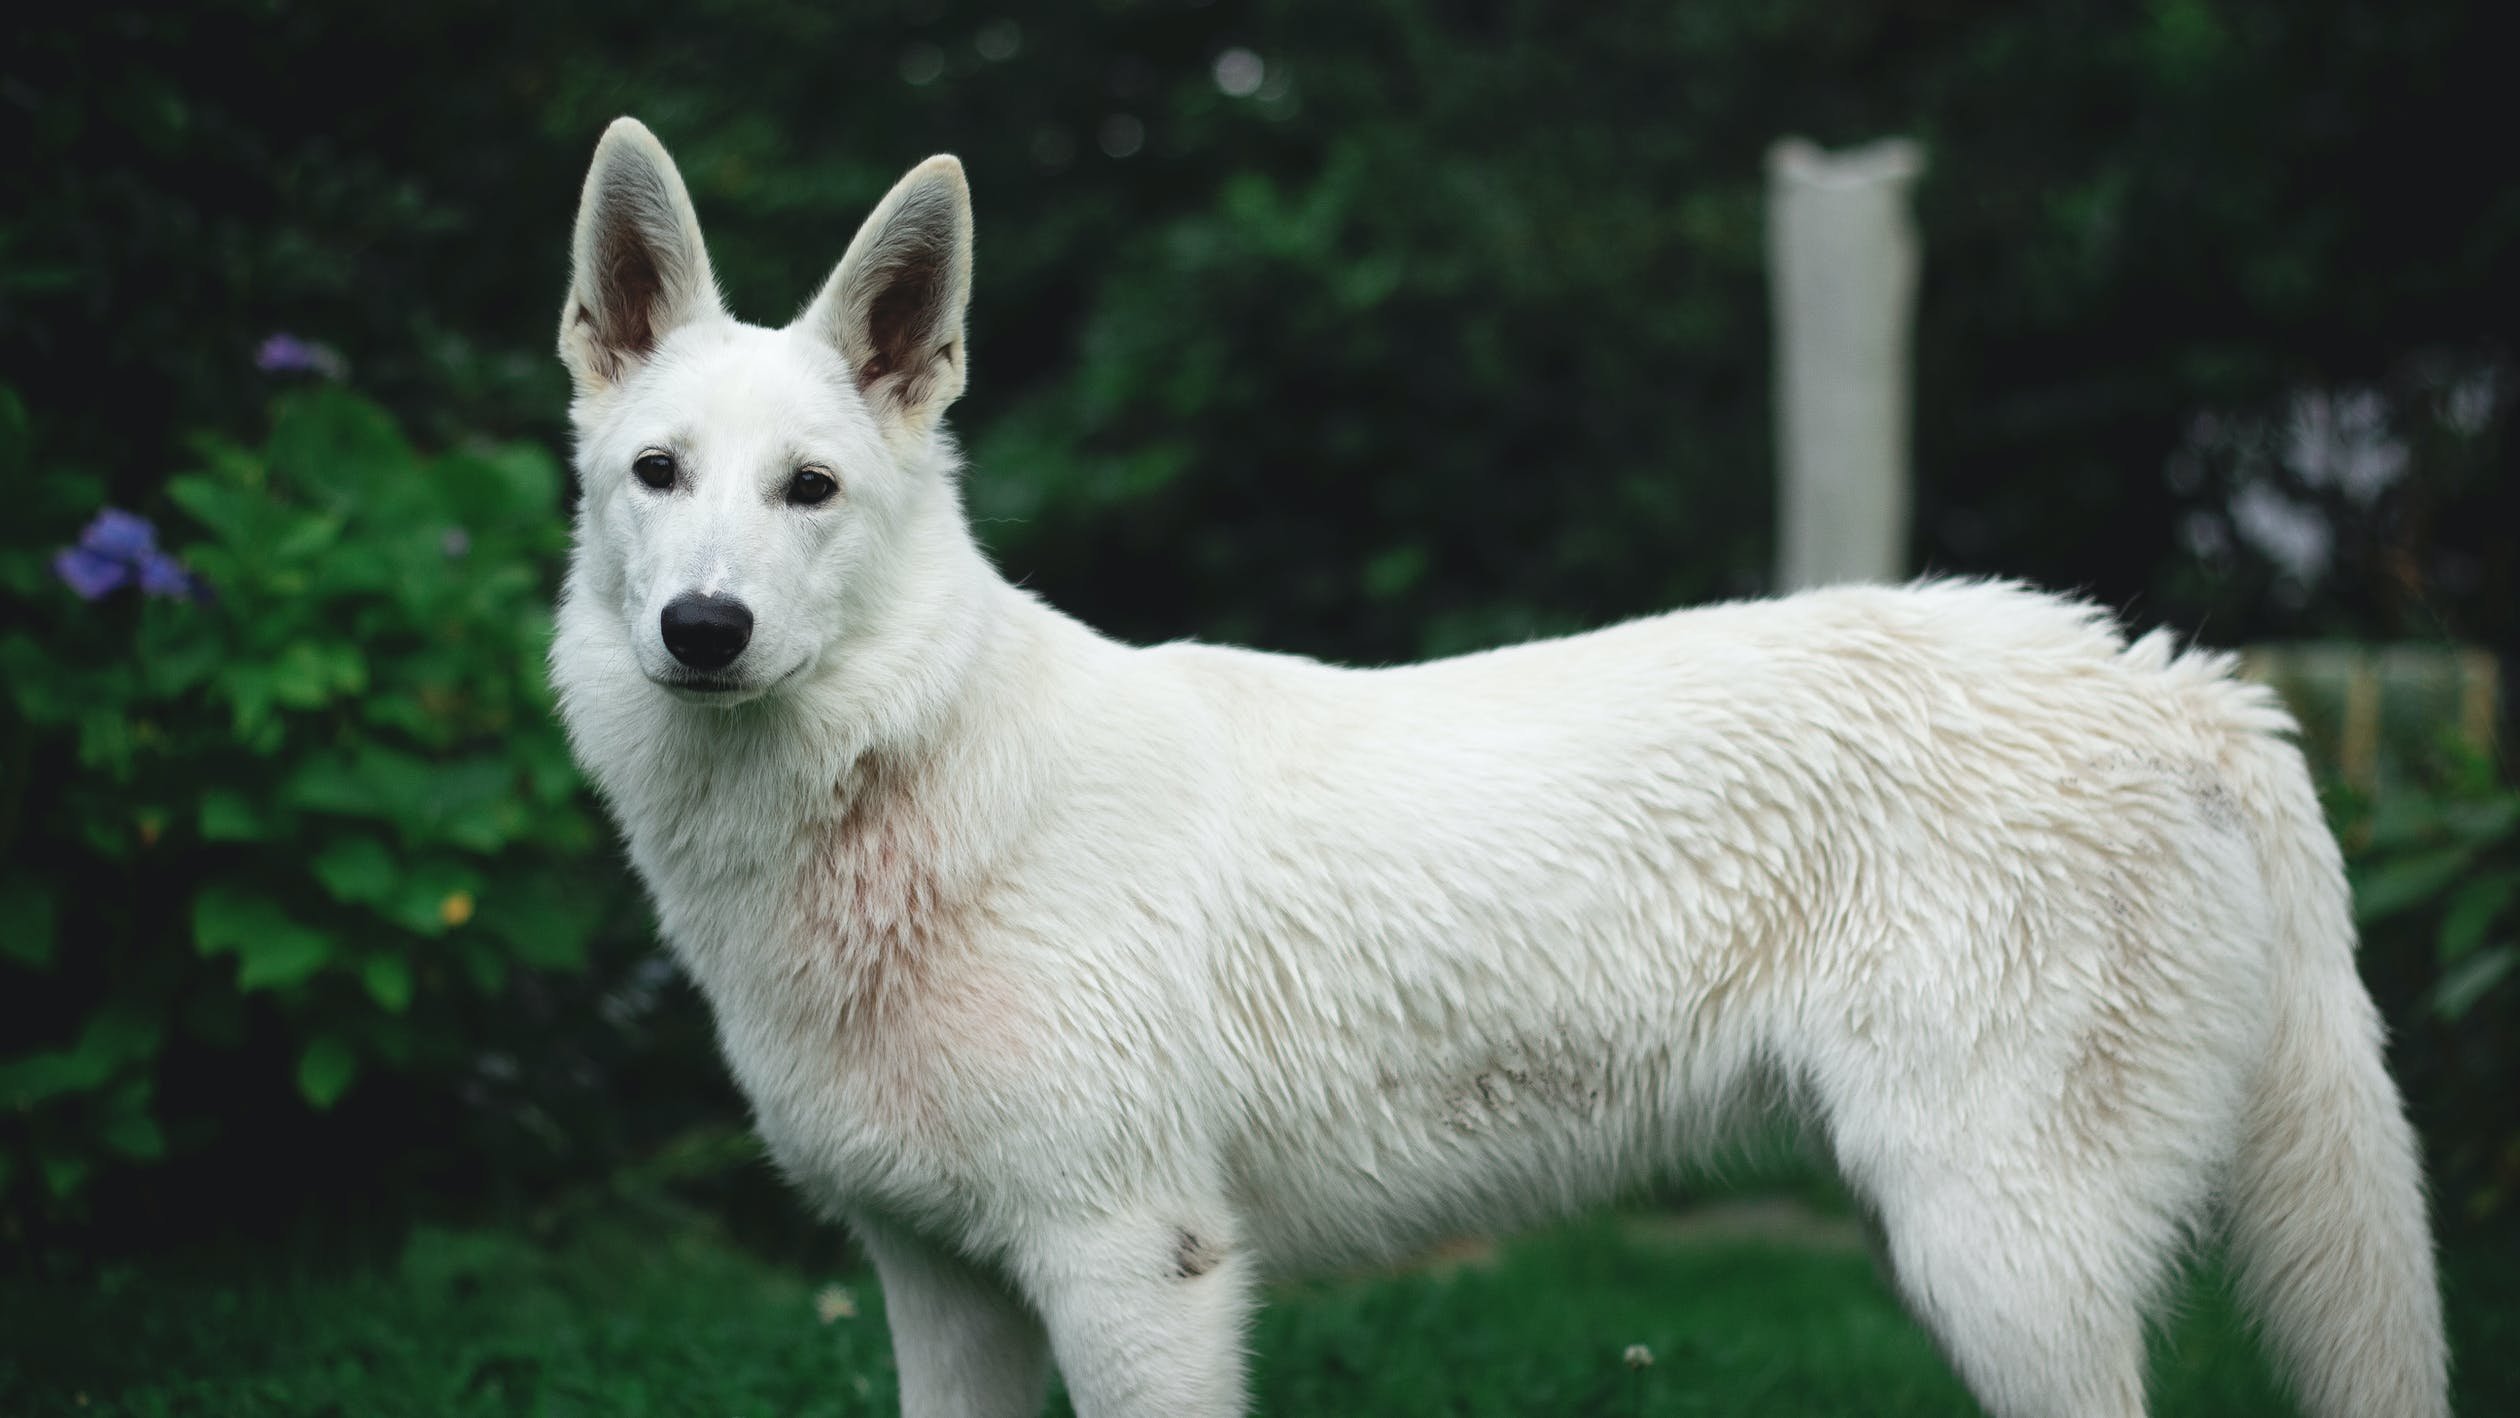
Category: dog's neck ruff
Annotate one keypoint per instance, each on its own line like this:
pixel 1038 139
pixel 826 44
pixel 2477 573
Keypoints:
pixel 728 809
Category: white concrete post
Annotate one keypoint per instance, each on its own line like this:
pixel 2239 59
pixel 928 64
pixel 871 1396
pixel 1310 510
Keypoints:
pixel 1842 258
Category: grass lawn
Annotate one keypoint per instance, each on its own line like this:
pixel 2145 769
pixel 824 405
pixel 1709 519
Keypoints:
pixel 652 1310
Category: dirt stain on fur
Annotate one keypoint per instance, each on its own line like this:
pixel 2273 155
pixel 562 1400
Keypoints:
pixel 1527 1078
pixel 1194 1256
pixel 881 944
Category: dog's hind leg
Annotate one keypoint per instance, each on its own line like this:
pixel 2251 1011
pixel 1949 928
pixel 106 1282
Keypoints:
pixel 2031 1248
pixel 2039 1309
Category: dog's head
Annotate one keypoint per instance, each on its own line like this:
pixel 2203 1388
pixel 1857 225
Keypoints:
pixel 748 493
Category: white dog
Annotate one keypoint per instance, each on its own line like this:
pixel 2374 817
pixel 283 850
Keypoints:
pixel 1092 984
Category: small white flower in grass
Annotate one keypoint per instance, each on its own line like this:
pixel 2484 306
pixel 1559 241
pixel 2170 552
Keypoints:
pixel 835 1302
pixel 1638 1356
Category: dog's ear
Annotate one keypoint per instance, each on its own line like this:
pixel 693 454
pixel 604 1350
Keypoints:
pixel 637 267
pixel 894 308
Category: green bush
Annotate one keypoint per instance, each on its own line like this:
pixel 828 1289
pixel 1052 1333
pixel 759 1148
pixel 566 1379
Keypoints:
pixel 313 814
pixel 2437 887
pixel 1453 329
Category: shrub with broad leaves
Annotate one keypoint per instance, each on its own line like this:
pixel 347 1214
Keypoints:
pixel 2437 887
pixel 303 812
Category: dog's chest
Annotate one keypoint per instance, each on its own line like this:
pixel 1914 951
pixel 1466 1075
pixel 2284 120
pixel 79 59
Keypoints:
pixel 860 1016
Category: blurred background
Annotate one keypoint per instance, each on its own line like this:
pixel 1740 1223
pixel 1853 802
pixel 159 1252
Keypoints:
pixel 339 1067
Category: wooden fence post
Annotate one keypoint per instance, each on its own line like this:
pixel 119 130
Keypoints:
pixel 1843 256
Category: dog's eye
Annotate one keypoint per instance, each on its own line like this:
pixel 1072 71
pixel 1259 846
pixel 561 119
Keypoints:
pixel 809 486
pixel 655 469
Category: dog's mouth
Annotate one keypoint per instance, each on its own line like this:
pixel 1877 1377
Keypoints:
pixel 706 684
pixel 718 689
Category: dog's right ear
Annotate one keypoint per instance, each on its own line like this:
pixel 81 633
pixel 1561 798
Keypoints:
pixel 638 269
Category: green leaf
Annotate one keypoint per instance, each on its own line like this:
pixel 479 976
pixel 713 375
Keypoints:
pixel 105 742
pixel 346 668
pixel 139 1139
pixel 247 688
pixel 356 868
pixel 514 484
pixel 272 950
pixel 435 897
pixel 1393 573
pixel 115 1036
pixel 38 685
pixel 2482 824
pixel 179 659
pixel 2473 911
pixel 325 1070
pixel 368 782
pixel 123 1031
pixel 302 678
pixel 471 803
pixel 545 919
pixel 239 517
pixel 551 776
pixel 26 920
pixel 2462 986
pixel 388 980
pixel 483 964
pixel 129 1129
pixel 227 815
pixel 2398 883
pixel 340 446
pixel 63 1173
pixel 39 1078
pixel 303 535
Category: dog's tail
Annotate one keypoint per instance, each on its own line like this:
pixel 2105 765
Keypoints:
pixel 2328 1231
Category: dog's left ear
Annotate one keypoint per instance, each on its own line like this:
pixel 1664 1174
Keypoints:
pixel 894 308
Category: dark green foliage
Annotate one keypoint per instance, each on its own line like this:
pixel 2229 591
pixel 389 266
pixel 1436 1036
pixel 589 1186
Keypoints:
pixel 1452 331
pixel 635 1307
pixel 311 827
pixel 646 1312
pixel 2437 885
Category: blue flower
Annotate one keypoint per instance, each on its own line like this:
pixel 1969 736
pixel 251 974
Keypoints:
pixel 163 575
pixel 118 549
pixel 126 536
pixel 287 354
pixel 90 575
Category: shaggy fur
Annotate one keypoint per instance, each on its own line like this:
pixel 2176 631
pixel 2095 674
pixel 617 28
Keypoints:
pixel 1091 984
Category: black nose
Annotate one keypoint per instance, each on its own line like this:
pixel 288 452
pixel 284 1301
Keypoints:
pixel 706 632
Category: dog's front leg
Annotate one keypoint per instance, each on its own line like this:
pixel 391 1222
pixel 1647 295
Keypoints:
pixel 965 1345
pixel 1145 1316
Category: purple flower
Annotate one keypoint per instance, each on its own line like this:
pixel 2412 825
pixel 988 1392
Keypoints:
pixel 117 549
pixel 126 536
pixel 89 575
pixel 163 575
pixel 287 354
